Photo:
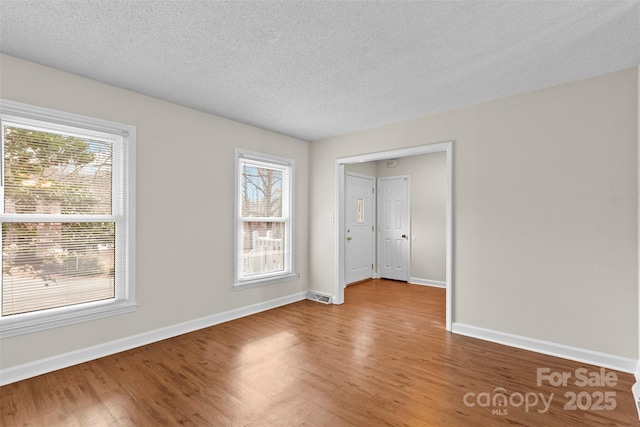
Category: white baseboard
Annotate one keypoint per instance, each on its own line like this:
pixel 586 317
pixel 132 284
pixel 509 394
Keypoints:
pixel 635 389
pixel 425 282
pixel 50 364
pixel 545 347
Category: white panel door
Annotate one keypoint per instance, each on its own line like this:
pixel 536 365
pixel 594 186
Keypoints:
pixel 393 228
pixel 359 228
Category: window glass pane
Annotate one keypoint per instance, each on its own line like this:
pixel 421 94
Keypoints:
pixel 47 265
pixel 360 217
pixel 51 173
pixel 262 247
pixel 261 191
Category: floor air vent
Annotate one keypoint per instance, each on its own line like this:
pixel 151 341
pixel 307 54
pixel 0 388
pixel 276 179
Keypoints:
pixel 317 297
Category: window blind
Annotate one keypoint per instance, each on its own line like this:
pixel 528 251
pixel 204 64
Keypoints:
pixel 62 199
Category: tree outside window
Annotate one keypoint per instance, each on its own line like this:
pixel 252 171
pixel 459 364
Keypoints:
pixel 52 264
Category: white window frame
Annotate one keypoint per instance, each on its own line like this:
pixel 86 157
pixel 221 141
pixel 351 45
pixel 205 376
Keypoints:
pixel 123 216
pixel 288 191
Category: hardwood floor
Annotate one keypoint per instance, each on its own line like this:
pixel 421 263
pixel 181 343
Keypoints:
pixel 382 358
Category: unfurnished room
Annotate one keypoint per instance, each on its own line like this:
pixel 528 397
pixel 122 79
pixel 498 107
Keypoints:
pixel 319 213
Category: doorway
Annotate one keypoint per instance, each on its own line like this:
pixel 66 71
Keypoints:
pixel 360 221
pixel 339 281
pixel 393 228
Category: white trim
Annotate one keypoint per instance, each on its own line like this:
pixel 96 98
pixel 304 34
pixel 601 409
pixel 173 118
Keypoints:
pixel 361 175
pixel 264 280
pixel 449 245
pixel 63 316
pixel 635 389
pixel 50 364
pixel 339 250
pixel 425 282
pixel 577 354
pixel 40 114
pixel 340 282
pixel 267 160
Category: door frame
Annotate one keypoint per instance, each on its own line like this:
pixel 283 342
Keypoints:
pixel 374 220
pixel 339 279
pixel 408 179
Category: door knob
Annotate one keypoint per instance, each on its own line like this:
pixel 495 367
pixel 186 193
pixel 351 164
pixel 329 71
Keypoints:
pixel 404 236
pixel 349 238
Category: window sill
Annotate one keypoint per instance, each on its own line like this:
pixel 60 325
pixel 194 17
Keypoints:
pixel 63 316
pixel 246 284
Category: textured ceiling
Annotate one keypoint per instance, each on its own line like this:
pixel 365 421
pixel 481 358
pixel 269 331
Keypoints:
pixel 318 69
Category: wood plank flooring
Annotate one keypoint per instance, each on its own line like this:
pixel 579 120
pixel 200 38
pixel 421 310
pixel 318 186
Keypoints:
pixel 382 358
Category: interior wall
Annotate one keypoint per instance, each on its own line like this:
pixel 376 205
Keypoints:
pixel 185 208
pixel 365 168
pixel 428 197
pixel 545 210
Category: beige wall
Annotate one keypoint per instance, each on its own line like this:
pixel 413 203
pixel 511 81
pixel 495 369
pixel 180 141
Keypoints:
pixel 185 197
pixel 366 168
pixel 428 174
pixel 545 210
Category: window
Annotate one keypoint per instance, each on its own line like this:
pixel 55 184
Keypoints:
pixel 67 218
pixel 264 231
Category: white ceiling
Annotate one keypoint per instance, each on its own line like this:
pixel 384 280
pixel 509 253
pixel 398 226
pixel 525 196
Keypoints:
pixel 317 69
